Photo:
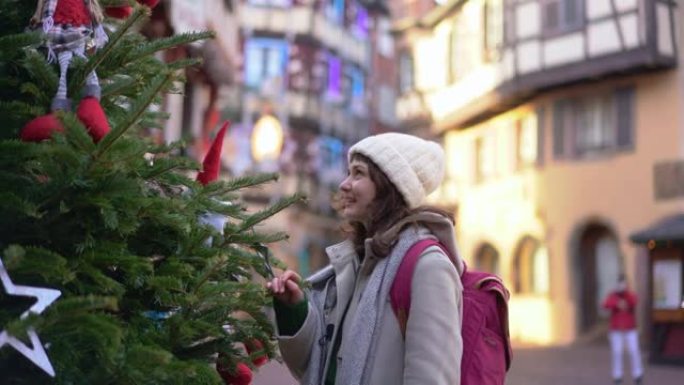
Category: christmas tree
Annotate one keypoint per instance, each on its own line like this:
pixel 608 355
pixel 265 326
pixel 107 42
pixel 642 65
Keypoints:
pixel 150 293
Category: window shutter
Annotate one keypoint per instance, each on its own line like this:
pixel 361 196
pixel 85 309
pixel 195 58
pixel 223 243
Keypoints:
pixel 541 123
pixel 551 15
pixel 559 109
pixel 572 13
pixel 624 107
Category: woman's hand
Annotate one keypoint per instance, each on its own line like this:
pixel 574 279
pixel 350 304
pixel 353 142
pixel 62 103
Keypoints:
pixel 285 288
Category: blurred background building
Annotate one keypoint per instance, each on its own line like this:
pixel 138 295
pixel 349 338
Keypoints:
pixel 300 80
pixel 562 121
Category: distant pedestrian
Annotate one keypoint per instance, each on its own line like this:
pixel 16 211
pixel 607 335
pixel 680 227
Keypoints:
pixel 343 329
pixel 622 304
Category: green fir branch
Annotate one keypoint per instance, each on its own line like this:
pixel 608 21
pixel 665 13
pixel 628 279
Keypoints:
pixel 260 216
pixel 184 63
pixel 161 44
pixel 16 107
pixel 78 79
pixel 244 182
pixel 10 44
pixel 117 86
pixel 137 109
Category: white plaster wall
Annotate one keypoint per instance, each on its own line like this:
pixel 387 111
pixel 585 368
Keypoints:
pixel 527 20
pixel 508 64
pixel 300 20
pixel 597 8
pixel 563 50
pixel 665 45
pixel 529 56
pixel 626 5
pixel 630 30
pixel 603 38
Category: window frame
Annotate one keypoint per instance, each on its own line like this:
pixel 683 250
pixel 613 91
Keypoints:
pixel 524 266
pixel 563 26
pixel 569 133
pixel 407 76
pixel 492 50
pixel 265 47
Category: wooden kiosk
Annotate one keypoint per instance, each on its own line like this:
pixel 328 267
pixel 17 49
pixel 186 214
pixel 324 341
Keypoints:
pixel 665 300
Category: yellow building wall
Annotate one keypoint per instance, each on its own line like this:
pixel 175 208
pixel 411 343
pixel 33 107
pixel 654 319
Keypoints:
pixel 552 200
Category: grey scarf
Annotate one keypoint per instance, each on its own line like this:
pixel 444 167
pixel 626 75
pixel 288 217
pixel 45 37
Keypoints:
pixel 358 357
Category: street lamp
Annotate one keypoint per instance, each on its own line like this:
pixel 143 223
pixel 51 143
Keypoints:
pixel 267 139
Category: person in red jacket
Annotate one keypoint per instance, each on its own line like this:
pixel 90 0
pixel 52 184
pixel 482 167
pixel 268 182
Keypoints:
pixel 621 303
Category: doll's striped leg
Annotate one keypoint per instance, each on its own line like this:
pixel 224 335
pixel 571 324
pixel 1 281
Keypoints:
pixel 92 87
pixel 60 101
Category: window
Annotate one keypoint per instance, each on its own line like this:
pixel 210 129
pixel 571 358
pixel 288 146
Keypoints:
pixel 360 25
pixel 494 29
pixel 527 141
pixel 405 73
pixel 562 15
pixel 595 129
pixel 385 42
pixel 358 93
pixel 531 268
pixel 465 46
pixel 484 158
pixel 594 124
pixel 334 84
pixel 335 11
pixel 330 162
pixel 265 60
pixel 387 102
pixel 487 259
pixel 272 3
pixel 509 22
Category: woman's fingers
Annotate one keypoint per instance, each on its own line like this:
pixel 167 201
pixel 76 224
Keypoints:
pixel 295 291
pixel 286 287
pixel 290 275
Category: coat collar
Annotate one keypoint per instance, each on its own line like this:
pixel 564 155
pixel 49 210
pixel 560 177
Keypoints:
pixel 343 253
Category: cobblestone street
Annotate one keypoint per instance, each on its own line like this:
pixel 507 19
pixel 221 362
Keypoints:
pixel 573 365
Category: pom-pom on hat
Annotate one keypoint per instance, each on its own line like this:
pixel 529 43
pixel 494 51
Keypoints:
pixel 415 166
pixel 212 161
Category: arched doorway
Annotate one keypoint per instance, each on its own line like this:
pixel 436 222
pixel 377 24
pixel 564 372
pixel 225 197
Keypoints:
pixel 487 259
pixel 598 263
pixel 531 267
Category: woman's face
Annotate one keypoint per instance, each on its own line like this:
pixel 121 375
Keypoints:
pixel 357 192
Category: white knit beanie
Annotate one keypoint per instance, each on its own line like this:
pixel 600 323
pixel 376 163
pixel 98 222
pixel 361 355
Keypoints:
pixel 415 166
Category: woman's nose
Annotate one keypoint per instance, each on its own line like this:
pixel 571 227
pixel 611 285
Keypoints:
pixel 344 186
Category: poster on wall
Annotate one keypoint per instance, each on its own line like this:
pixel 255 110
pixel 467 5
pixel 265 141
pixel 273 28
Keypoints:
pixel 667 284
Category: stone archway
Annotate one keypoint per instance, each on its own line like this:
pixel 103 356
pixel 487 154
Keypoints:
pixel 487 259
pixel 597 262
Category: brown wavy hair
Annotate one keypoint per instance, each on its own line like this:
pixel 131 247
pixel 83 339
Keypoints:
pixel 388 208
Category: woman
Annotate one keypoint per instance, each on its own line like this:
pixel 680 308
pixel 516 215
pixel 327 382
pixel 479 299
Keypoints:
pixel 342 330
pixel 622 303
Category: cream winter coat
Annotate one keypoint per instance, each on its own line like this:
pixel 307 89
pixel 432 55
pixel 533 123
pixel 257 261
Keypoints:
pixel 431 352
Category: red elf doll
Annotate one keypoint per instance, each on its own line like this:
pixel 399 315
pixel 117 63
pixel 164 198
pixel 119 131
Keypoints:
pixel 69 27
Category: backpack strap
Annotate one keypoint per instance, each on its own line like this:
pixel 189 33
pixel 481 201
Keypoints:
pixel 496 285
pixel 400 293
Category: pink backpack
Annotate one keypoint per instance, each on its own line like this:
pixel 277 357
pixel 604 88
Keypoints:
pixel 486 343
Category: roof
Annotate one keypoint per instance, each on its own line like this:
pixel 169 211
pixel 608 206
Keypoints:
pixel 667 230
pixel 429 20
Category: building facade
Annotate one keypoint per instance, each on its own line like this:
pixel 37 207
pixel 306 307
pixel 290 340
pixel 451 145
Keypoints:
pixel 300 81
pixel 319 72
pixel 559 118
